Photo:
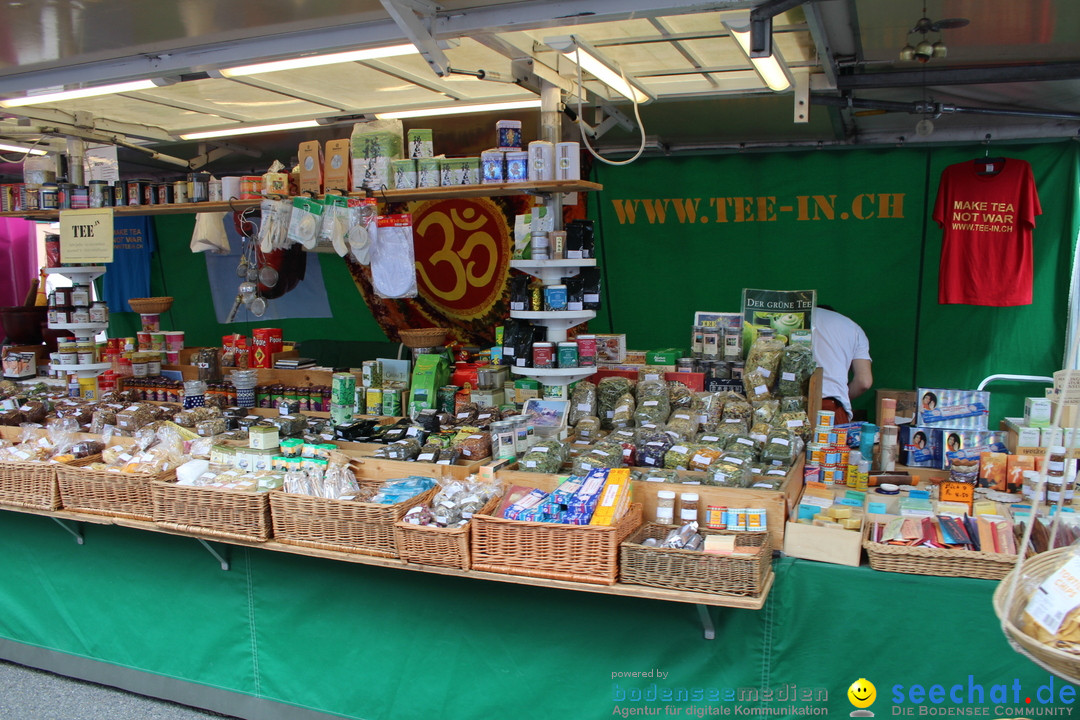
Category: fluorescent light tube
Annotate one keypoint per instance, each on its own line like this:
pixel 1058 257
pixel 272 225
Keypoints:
pixel 250 130
pixel 606 71
pixel 459 109
pixel 19 149
pixel 76 94
pixel 315 60
pixel 770 68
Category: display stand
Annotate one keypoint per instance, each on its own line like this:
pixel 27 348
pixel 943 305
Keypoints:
pixel 557 322
pixel 550 272
pixel 82 331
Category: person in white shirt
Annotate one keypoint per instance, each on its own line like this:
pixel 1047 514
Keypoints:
pixel 843 352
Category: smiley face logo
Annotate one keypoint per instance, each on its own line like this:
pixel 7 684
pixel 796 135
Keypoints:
pixel 862 693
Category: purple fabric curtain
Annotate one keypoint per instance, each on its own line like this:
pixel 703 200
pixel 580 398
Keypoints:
pixel 18 260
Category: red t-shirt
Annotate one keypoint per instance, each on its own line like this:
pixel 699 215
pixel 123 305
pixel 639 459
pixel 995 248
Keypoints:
pixel 987 219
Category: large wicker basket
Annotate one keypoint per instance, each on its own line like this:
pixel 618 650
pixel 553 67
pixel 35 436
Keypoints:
pixel 33 484
pixel 1064 664
pixel 580 553
pixel 428 545
pixel 341 525
pixel 101 492
pixel 934 561
pixel 693 570
pixel 150 305
pixel 227 514
pixel 423 337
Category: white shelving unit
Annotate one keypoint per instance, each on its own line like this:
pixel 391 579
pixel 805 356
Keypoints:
pixel 82 331
pixel 550 272
pixel 554 376
pixel 557 322
pixel 84 275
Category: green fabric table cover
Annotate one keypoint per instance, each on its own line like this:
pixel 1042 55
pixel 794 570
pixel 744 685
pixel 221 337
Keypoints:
pixel 369 642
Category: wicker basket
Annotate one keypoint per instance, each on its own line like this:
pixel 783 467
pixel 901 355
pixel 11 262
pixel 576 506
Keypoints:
pixel 1064 664
pixel 934 561
pixel 693 570
pixel 33 484
pixel 341 525
pixel 580 553
pixel 227 514
pixel 429 545
pixel 424 337
pixel 150 305
pixel 101 492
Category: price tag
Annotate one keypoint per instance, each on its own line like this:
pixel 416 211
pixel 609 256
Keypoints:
pixel 958 492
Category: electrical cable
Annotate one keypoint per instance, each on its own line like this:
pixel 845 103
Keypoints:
pixel 26 154
pixel 581 126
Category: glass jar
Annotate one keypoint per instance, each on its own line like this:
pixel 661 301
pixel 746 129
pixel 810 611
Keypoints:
pixel 208 362
pixel 99 312
pixel 138 365
pixel 80 296
pixel 665 507
pixel 688 503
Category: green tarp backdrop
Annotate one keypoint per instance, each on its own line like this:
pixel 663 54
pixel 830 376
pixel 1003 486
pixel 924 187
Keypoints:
pixel 686 234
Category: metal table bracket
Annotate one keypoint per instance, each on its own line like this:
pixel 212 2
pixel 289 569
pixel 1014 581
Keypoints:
pixel 223 559
pixel 74 528
pixel 706 621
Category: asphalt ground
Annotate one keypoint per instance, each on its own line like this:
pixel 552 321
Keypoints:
pixel 31 694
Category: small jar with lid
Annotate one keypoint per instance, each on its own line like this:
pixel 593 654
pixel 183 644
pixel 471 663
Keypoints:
pixel 688 507
pixel 69 352
pixel 1031 484
pixel 80 296
pixel 86 352
pixel 99 312
pixel 139 365
pixel 79 316
pixel 665 507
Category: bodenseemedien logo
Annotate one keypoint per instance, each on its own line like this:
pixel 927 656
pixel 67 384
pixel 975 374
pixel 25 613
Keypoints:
pixel 862 694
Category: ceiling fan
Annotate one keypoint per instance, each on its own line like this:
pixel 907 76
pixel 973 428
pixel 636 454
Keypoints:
pixel 925 50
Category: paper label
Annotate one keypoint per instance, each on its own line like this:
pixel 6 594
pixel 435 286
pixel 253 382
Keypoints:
pixel 1058 595
pixel 787 376
pixel 650 403
pixel 876 508
pixel 782 441
pixel 734 460
pixel 764 372
pixel 701 459
pixel 679 449
pixel 761 390
pixel 795 423
pixel 710 438
pixel 425 457
pixel 540 449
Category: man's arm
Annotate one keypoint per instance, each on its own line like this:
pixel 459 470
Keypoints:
pixel 862 378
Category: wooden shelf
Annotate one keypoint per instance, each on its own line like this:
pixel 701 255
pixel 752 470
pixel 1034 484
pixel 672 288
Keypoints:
pixel 439 193
pixel 639 591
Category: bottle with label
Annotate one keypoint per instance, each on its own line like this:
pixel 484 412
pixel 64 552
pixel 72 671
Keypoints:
pixel 688 503
pixel 665 507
